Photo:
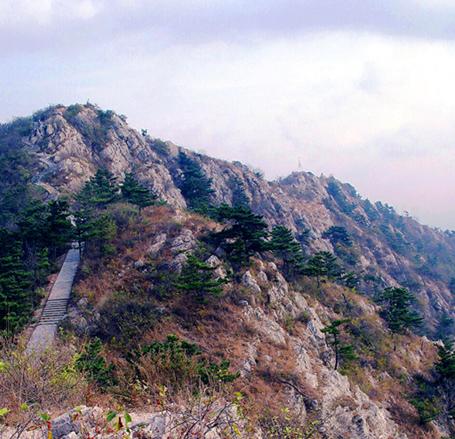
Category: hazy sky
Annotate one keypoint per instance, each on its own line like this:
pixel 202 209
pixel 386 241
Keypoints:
pixel 361 89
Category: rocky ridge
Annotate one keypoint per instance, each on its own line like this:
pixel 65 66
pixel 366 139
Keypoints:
pixel 70 143
pixel 274 330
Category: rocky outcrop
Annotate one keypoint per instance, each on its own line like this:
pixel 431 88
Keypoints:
pixel 70 143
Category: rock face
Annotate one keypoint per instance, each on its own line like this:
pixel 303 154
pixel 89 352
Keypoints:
pixel 70 143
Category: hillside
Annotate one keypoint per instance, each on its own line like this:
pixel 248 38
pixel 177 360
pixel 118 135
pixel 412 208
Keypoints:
pixel 202 320
pixel 65 146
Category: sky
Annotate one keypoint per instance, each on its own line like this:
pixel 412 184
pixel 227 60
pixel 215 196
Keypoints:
pixel 360 89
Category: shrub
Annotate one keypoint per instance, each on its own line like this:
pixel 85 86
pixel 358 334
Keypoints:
pixel 72 111
pixel 285 424
pixel 46 381
pixel 427 408
pixel 125 318
pixel 160 146
pixel 94 366
pixel 338 235
pixel 179 364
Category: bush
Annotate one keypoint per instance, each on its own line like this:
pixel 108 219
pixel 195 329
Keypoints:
pixel 47 382
pixel 160 146
pixel 94 366
pixel 427 408
pixel 179 364
pixel 72 111
pixel 124 319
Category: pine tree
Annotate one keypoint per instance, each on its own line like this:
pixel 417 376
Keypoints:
pixel 59 230
pixel 15 292
pixel 239 198
pixel 42 267
pixel 245 235
pixel 350 279
pixel 196 188
pixel 284 245
pixel 135 193
pixel 397 309
pixel 338 235
pixel 99 191
pixel 95 231
pixel 33 227
pixel 446 325
pixel 197 280
pixel 446 363
pixel 322 264
pixel 33 234
pixel 343 352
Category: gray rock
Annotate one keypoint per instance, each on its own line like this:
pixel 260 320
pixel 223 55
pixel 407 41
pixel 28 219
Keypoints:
pixel 184 242
pixel 157 244
pixel 250 282
pixel 139 264
pixel 63 426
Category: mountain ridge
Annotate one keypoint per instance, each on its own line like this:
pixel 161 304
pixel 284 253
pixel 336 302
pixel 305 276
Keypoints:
pixel 69 143
pixel 136 284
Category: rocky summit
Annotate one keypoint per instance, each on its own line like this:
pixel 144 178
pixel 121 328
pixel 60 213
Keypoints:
pixel 210 302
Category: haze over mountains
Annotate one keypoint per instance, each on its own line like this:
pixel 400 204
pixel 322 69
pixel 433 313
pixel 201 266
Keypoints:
pixel 360 90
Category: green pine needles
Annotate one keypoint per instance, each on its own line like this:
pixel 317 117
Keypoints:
pixel 196 188
pixel 397 309
pixel 197 280
pixel 136 193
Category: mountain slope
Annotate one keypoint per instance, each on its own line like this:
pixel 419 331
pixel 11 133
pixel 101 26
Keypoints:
pixel 164 317
pixel 65 146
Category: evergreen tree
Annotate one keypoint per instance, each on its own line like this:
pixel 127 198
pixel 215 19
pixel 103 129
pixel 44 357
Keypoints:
pixel 197 280
pixel 135 193
pixel 33 233
pixel 446 363
pixel 322 264
pixel 59 230
pixel 239 198
pixel 244 236
pixel 99 191
pixel 397 309
pixel 33 227
pixel 350 279
pixel 284 245
pixel 42 267
pixel 194 185
pixel 15 290
pixel 338 235
pixel 446 326
pixel 95 231
pixel 343 352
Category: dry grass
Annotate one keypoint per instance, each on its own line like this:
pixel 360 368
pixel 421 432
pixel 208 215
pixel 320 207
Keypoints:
pixel 39 383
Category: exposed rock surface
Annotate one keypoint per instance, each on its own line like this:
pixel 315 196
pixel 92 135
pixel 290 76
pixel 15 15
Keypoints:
pixel 70 149
pixel 70 145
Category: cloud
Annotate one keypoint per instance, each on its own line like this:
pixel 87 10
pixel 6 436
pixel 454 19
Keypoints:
pixel 59 24
pixel 360 89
